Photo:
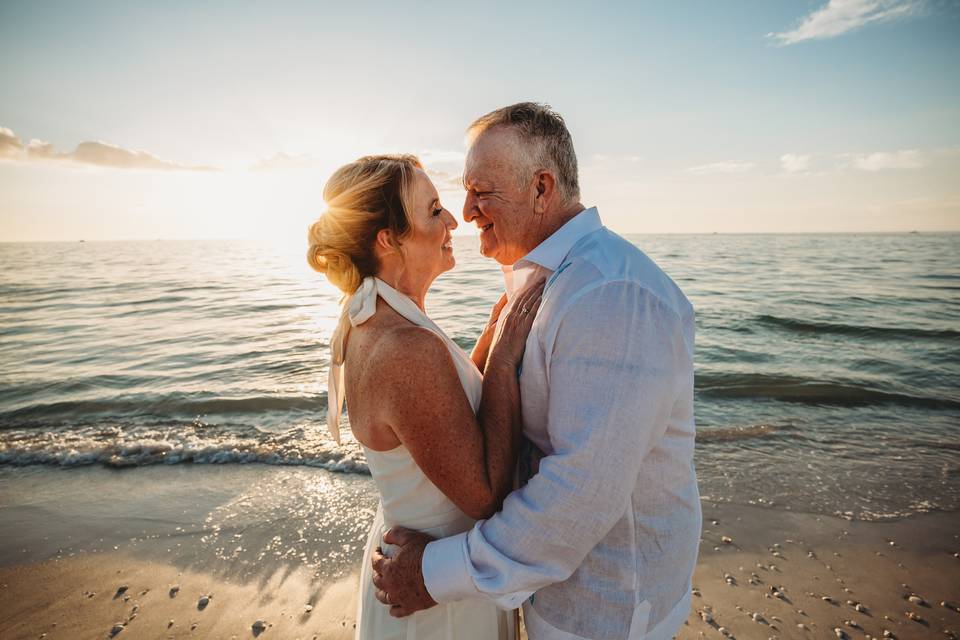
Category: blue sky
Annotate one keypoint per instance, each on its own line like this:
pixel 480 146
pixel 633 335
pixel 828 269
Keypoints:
pixel 169 119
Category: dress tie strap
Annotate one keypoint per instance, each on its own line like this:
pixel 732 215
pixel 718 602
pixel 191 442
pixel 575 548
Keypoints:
pixel 357 309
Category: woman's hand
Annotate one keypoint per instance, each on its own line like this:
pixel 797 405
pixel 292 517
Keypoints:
pixel 482 348
pixel 509 346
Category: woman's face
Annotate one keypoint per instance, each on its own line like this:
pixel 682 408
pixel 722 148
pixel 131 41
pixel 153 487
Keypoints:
pixel 428 247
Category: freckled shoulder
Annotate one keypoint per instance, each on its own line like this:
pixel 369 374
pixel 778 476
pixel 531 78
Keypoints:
pixel 404 351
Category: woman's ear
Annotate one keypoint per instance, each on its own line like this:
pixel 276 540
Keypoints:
pixel 385 241
pixel 386 244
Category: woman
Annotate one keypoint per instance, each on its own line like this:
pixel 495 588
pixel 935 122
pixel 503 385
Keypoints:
pixel 440 429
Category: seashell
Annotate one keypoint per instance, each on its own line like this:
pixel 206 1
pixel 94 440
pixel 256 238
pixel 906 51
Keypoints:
pixel 259 626
pixel 726 540
pixel 116 628
pixel 174 590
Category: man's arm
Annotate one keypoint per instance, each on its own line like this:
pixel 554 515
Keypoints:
pixel 617 361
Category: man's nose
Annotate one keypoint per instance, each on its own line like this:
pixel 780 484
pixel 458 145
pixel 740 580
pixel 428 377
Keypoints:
pixel 469 211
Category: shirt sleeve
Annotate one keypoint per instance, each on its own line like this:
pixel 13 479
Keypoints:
pixel 616 363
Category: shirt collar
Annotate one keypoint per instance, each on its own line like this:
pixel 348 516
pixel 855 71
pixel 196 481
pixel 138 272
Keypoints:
pixel 550 253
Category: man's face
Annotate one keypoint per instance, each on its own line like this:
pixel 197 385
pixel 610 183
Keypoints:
pixel 501 210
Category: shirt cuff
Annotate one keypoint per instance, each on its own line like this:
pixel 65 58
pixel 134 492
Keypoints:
pixel 445 573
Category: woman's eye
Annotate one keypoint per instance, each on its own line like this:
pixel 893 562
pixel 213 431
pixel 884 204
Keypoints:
pixel 437 212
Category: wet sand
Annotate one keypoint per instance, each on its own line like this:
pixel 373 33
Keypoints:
pixel 779 570
pixel 762 572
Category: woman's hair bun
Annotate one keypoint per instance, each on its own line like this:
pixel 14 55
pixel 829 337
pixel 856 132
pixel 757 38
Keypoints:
pixel 336 265
pixel 363 198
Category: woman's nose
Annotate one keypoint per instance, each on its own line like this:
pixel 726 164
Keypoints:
pixel 451 221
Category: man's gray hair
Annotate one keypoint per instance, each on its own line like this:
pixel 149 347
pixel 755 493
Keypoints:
pixel 544 140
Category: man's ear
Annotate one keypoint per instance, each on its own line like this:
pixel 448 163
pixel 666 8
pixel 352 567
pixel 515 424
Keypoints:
pixel 545 186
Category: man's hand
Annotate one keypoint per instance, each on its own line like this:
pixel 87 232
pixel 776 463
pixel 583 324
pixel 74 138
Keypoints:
pixel 399 579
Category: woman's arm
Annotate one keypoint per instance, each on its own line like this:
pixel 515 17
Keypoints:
pixel 469 458
pixel 482 348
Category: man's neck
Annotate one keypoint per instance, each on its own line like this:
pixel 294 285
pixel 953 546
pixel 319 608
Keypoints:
pixel 553 222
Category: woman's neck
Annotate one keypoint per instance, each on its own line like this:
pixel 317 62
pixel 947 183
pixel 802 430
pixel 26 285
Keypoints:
pixel 408 284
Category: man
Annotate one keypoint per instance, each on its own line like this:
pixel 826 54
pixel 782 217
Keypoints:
pixel 602 540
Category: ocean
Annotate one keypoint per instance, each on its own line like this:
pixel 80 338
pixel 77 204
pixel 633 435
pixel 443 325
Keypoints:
pixel 827 366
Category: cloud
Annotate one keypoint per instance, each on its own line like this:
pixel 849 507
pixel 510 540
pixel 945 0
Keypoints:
pixel 442 157
pixel 10 145
pixel 286 161
pixel 721 167
pixel 883 160
pixel 795 163
pixel 604 158
pixel 841 16
pixel 446 180
pixel 93 153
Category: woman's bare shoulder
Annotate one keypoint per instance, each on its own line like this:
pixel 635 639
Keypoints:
pixel 403 349
pixel 396 347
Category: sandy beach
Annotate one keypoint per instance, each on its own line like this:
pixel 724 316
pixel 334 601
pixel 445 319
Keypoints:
pixel 207 552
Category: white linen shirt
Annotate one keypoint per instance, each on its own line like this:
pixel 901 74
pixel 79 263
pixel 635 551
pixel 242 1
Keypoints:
pixel 605 533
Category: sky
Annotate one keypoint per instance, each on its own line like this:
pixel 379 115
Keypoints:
pixel 145 120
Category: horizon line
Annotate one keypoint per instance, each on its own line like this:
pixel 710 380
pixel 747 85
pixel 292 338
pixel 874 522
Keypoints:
pixel 463 235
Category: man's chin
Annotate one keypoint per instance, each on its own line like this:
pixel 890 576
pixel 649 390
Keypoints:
pixel 489 252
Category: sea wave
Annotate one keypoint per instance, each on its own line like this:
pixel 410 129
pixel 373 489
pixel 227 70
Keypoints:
pixel 809 391
pixel 118 448
pixel 728 434
pixel 862 331
pixel 174 404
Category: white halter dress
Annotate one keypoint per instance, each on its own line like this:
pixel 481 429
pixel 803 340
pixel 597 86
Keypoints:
pixel 408 498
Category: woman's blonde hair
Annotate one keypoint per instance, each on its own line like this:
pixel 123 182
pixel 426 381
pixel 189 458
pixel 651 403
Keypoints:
pixel 363 197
